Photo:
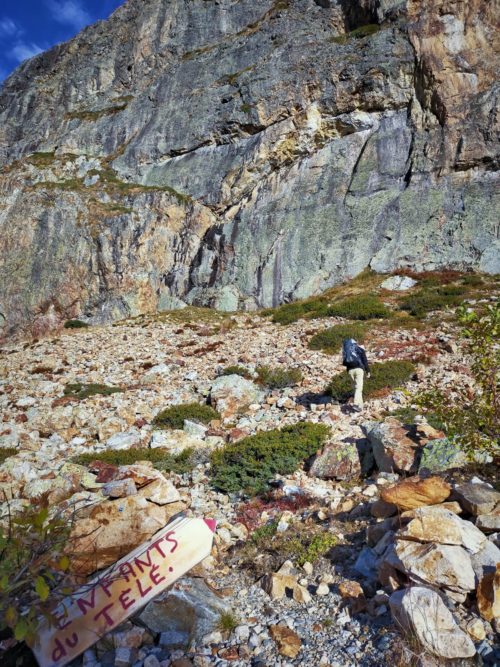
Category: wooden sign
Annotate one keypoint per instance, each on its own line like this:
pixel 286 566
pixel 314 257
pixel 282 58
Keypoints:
pixel 104 603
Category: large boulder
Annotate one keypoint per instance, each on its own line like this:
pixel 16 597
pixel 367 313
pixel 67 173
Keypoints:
pixel 485 561
pixel 441 454
pixel 287 641
pixel 232 394
pixel 488 595
pixel 338 460
pixel 114 528
pixel 124 440
pixel 421 613
pixel 176 441
pixel 445 566
pixel 415 492
pixel 188 611
pixel 393 450
pixel 53 490
pixel 477 499
pixel 434 524
pixel 489 523
pixel 398 283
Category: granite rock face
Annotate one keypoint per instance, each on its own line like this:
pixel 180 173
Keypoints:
pixel 245 154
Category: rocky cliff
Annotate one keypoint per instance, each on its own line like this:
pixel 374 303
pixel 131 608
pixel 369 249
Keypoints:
pixel 245 153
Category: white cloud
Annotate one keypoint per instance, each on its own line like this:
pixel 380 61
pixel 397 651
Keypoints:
pixel 69 12
pixel 9 28
pixel 22 51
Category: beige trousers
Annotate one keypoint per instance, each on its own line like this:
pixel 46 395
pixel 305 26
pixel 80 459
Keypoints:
pixel 357 376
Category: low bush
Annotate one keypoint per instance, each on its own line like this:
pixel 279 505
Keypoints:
pixel 75 324
pixel 426 301
pixel 432 278
pixel 237 370
pixel 407 416
pixel 472 280
pixel 174 416
pixel 385 375
pixel 292 312
pixel 359 308
pixel 227 622
pixel 83 391
pixel 267 549
pixel 263 534
pixel 32 566
pixel 301 546
pixel 278 378
pixel 249 464
pixel 330 340
pixel 5 452
pixel 357 33
pixel 451 290
pixel 471 415
pixel 161 459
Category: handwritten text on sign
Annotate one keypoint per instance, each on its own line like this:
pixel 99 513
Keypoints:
pixel 104 603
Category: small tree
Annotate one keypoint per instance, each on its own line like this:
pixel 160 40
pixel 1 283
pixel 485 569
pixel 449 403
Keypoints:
pixel 471 416
pixel 32 566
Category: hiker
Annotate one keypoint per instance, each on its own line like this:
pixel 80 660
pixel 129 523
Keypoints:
pixel 356 363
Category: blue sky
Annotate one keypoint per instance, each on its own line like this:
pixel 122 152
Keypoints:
pixel 30 26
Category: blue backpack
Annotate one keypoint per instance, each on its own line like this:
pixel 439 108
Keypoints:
pixel 350 352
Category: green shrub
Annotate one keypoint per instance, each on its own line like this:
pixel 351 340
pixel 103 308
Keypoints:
pixel 318 546
pixel 227 622
pixel 299 543
pixel 407 416
pixel 359 308
pixel 262 534
pixel 330 340
pixel 278 378
pixel 83 391
pixel 364 31
pixel 174 416
pixel 472 280
pixel 32 565
pixel 249 464
pixel 471 419
pixel 385 375
pixel 303 546
pixel 357 33
pixel 162 459
pixel 237 370
pixel 75 324
pixel 5 452
pixel 451 290
pixel 41 159
pixel 430 281
pixel 428 300
pixel 292 312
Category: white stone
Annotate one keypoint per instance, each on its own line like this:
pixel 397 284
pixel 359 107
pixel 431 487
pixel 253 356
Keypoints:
pixel 242 633
pixel 398 283
pixel 308 568
pixel 26 402
pixel 421 613
pixel 437 564
pixel 436 524
pixel 322 589
pixel 175 441
pixel 123 440
pixel 231 394
pixel 195 429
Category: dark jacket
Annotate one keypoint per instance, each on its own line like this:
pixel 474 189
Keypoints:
pixel 362 363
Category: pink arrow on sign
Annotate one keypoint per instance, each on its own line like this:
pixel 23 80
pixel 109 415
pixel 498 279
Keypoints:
pixel 128 585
